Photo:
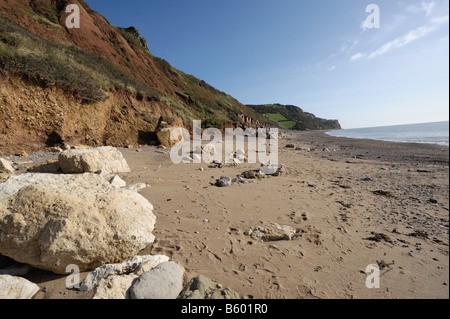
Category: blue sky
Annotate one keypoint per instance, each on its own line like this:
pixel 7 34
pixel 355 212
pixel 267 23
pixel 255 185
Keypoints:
pixel 318 55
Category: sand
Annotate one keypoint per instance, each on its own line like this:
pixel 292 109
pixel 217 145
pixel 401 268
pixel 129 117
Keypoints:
pixel 328 194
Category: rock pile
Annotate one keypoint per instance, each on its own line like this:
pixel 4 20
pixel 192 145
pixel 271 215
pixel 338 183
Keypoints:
pixel 113 281
pixel 89 218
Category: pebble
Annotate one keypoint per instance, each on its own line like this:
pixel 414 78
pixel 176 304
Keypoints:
pixel 206 220
pixel 251 277
pixel 224 181
pixel 249 174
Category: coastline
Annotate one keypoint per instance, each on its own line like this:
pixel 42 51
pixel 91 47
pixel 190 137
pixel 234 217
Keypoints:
pixel 328 195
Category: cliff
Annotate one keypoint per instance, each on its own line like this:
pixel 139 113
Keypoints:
pixel 294 118
pixel 96 85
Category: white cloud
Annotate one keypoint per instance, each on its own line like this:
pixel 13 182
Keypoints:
pixel 428 8
pixel 411 36
pixel 402 41
pixel 357 56
pixel 440 20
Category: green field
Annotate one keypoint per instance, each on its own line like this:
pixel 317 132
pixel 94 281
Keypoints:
pixel 276 117
pixel 281 120
pixel 288 124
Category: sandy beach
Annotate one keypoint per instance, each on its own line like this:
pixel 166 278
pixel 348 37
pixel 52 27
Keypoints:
pixel 352 202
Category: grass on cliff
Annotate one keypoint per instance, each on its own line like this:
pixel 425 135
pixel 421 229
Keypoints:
pixel 75 70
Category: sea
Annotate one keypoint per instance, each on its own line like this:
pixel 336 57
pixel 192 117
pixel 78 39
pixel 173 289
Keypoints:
pixel 429 133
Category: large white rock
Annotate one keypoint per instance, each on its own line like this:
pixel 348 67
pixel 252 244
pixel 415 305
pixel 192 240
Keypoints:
pixel 107 159
pixel 16 288
pixel 51 221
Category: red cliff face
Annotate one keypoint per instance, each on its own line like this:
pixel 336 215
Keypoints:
pixel 135 87
pixel 95 34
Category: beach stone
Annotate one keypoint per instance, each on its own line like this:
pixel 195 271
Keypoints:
pixel 240 156
pixel 165 281
pixel 114 287
pixel 114 281
pixel 260 175
pixel 273 169
pixel 136 187
pixel 16 288
pixel 249 174
pixel 201 287
pixel 305 149
pixel 106 159
pixel 50 221
pixel 6 166
pixel 224 181
pixel 117 182
pixel 209 150
pixel 135 265
pixel 170 136
pixel 272 232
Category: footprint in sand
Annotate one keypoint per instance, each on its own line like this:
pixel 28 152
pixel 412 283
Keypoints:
pixel 297 218
pixel 165 247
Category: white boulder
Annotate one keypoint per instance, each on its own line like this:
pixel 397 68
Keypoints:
pixel 50 221
pixel 106 159
pixel 16 288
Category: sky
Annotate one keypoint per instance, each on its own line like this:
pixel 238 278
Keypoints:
pixel 365 66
